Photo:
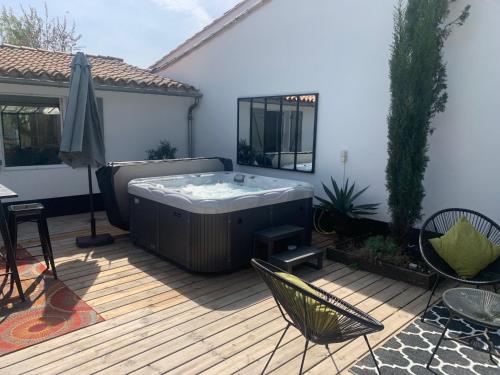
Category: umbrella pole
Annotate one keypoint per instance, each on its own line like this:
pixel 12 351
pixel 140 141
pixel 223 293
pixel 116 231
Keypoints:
pixel 91 204
pixel 94 239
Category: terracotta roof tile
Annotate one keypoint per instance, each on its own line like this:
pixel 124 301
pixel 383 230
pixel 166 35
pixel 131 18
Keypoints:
pixel 30 63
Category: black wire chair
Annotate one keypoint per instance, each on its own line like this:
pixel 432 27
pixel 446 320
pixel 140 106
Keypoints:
pixel 437 225
pixel 319 316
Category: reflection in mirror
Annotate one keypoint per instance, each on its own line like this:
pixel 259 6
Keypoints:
pixel 257 131
pixel 277 131
pixel 272 121
pixel 305 139
pixel 289 132
pixel 245 153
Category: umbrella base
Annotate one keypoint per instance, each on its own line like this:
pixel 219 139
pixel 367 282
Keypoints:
pixel 94 241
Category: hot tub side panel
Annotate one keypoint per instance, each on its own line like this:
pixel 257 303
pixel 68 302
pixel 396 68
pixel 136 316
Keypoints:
pixel 210 247
pixel 144 223
pixel 210 242
pixel 243 224
pixel 174 234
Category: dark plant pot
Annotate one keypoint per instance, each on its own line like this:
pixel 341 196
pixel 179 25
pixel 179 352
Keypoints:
pixel 345 225
pixel 387 270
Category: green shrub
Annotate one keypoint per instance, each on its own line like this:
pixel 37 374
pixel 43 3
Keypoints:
pixel 380 245
pixel 164 151
pixel 418 93
pixel 245 153
pixel 342 200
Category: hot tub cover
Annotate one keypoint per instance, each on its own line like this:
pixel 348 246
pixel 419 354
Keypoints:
pixel 186 191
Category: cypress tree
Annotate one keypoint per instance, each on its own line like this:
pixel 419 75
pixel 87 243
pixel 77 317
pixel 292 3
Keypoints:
pixel 418 93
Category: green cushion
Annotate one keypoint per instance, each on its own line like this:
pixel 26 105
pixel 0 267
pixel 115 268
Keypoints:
pixel 322 318
pixel 465 250
pixel 297 281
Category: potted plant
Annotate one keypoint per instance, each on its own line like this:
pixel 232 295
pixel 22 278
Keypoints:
pixel 164 151
pixel 245 153
pixel 341 207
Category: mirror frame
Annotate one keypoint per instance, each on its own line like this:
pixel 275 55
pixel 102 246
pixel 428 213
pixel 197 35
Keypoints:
pixel 251 98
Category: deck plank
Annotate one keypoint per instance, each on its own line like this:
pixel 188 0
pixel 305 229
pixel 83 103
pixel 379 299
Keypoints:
pixel 217 322
pixel 194 361
pixel 253 360
pixel 238 301
pixel 160 318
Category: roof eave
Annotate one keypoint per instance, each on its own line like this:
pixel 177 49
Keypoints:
pixel 131 89
pixel 212 30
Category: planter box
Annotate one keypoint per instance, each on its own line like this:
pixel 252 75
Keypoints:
pixel 387 270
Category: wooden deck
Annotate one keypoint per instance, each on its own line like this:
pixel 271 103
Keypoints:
pixel 161 319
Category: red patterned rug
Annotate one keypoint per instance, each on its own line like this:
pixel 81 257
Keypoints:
pixel 51 308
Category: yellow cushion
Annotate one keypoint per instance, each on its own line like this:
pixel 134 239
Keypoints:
pixel 322 318
pixel 465 250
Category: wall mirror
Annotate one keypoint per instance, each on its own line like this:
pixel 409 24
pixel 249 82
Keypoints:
pixel 278 131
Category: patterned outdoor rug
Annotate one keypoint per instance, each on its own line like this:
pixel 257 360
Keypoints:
pixel 409 351
pixel 51 308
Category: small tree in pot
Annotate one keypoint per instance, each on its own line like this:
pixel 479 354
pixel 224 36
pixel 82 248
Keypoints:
pixel 418 93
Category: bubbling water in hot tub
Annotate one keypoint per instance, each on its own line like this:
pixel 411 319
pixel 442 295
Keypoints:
pixel 217 190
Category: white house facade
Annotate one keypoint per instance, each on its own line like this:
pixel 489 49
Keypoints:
pixel 135 119
pixel 340 50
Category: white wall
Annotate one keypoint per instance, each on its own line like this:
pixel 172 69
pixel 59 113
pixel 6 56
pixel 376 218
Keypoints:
pixel 340 48
pixel 133 123
pixel 464 168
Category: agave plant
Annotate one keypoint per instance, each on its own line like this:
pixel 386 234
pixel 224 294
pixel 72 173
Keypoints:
pixel 342 200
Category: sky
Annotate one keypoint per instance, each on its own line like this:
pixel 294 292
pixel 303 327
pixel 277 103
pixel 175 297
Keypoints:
pixel 139 31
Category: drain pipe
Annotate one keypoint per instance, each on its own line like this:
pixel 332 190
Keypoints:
pixel 190 125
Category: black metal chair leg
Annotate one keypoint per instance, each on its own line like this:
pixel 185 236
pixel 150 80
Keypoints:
pixel 8 267
pixel 491 347
pixel 43 232
pixel 275 348
pixel 49 246
pixel 12 225
pixel 439 342
pixel 11 255
pixel 43 243
pixel 7 261
pixel 436 283
pixel 372 354
pixel 303 357
pixel 331 357
pixel 15 278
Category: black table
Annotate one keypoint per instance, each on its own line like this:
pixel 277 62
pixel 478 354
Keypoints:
pixel 9 250
pixel 475 306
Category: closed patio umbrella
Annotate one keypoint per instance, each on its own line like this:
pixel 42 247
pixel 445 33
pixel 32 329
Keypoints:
pixel 82 142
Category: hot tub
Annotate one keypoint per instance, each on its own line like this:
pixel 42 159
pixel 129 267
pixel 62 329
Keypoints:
pixel 205 222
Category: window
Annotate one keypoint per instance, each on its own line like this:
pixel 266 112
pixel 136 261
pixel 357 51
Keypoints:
pixel 31 130
pixel 278 131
